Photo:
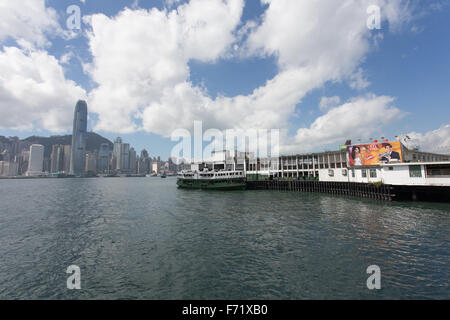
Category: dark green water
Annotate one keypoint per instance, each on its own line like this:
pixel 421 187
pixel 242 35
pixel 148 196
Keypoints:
pixel 145 239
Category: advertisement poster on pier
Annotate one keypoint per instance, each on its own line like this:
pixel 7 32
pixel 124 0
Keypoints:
pixel 374 153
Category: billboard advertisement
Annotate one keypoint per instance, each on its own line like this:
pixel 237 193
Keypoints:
pixel 374 154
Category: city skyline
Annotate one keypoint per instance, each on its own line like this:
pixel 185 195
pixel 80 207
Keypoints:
pixel 340 80
pixel 21 158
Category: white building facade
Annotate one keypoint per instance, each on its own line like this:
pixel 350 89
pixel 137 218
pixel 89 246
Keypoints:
pixel 36 160
pixel 419 173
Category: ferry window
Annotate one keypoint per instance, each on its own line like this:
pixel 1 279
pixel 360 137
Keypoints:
pixel 391 168
pixel 439 171
pixel 415 171
pixel 373 173
pixel 364 173
pixel 331 173
pixel 353 173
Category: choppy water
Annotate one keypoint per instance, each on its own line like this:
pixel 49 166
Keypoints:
pixel 142 238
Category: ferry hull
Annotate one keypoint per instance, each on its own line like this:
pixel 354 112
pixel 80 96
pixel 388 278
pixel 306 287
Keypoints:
pixel 212 185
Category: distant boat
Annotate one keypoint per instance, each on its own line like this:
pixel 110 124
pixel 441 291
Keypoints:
pixel 163 175
pixel 111 175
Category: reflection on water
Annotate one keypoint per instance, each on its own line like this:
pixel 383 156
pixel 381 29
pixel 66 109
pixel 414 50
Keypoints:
pixel 145 239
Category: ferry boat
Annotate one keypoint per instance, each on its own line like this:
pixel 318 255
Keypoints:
pixel 211 180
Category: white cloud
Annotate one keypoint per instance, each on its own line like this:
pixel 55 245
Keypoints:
pixel 171 3
pixel 66 57
pixel 357 80
pixel 357 118
pixel 437 141
pixel 328 102
pixel 141 63
pixel 28 21
pixel 140 60
pixel 34 93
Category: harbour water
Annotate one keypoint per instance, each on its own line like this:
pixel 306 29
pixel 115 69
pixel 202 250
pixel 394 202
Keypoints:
pixel 142 238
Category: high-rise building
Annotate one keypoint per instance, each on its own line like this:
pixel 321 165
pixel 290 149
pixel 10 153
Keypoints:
pixel 5 155
pixel 78 152
pixel 15 146
pixel 36 160
pixel 67 156
pixel 132 160
pixel 156 167
pixel 172 164
pixel 144 163
pixel 113 163
pixel 103 158
pixel 125 157
pixel 144 153
pixel 24 158
pixel 116 152
pixel 57 159
pixel 122 155
pixel 91 163
pixel 9 168
pixel 47 164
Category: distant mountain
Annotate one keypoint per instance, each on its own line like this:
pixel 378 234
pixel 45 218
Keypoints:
pixel 93 142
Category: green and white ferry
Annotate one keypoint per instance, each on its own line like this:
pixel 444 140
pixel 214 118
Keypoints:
pixel 212 180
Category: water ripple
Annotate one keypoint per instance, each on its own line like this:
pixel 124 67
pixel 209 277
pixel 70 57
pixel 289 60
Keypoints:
pixel 145 239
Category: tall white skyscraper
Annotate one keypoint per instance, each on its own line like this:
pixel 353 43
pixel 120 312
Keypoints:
pixel 117 151
pixel 36 160
pixel 78 151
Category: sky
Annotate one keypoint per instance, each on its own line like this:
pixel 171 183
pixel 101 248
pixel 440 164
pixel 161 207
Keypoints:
pixel 321 72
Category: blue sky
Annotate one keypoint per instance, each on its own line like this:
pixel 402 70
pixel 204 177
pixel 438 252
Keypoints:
pixel 407 61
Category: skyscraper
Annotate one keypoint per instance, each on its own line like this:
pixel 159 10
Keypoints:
pixel 122 155
pixel 78 152
pixel 132 160
pixel 36 160
pixel 57 159
pixel 103 158
pixel 91 163
pixel 144 162
pixel 116 152
pixel 67 156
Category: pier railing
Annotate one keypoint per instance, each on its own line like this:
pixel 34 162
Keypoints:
pixel 363 190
